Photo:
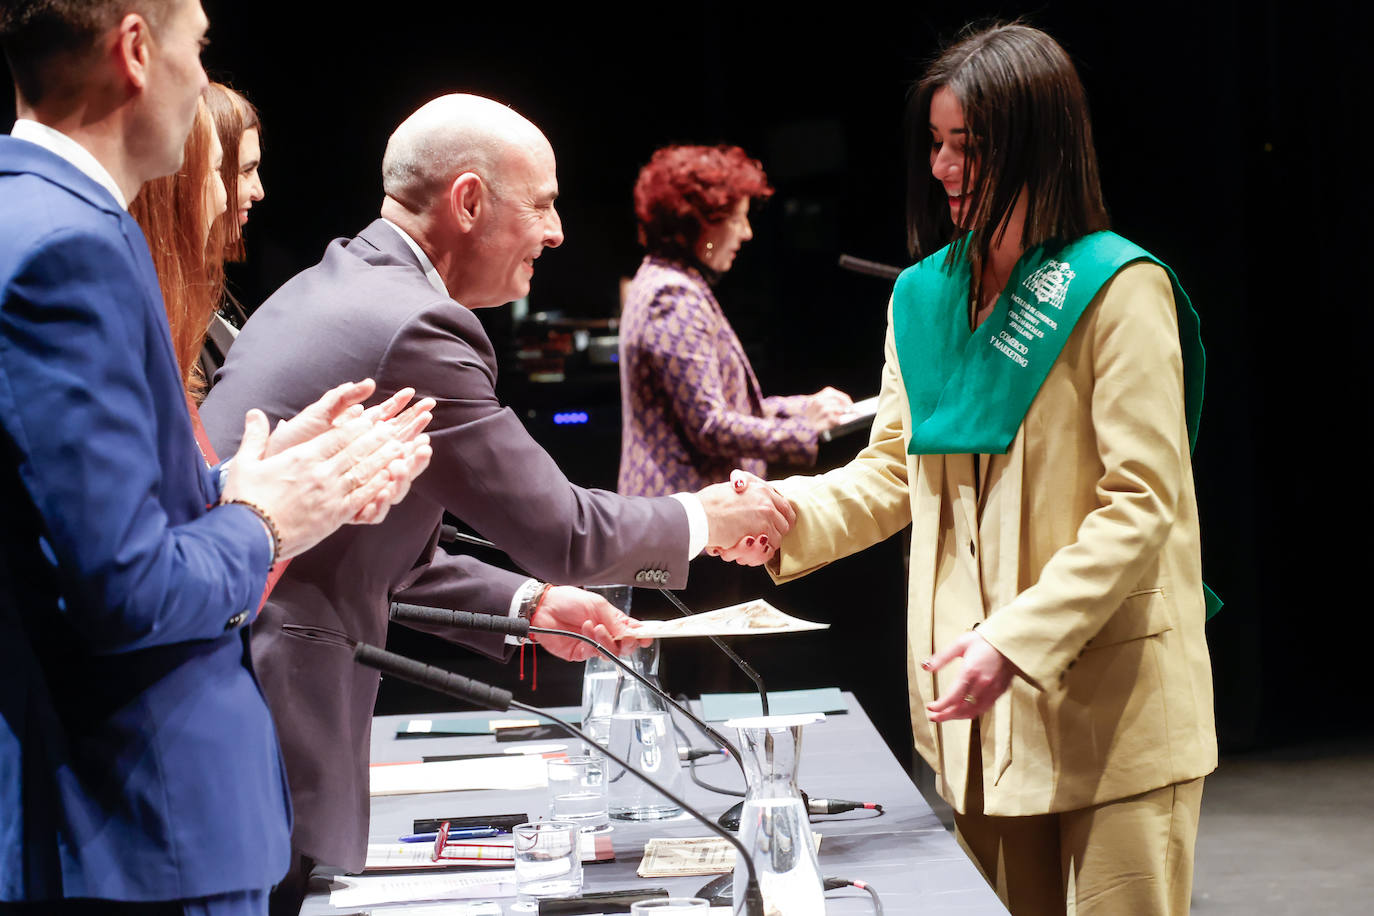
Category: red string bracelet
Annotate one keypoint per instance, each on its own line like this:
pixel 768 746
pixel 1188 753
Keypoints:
pixel 534 653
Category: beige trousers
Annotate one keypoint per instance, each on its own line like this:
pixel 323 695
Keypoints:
pixel 1129 857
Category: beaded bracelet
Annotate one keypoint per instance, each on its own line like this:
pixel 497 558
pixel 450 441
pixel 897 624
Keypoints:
pixel 266 521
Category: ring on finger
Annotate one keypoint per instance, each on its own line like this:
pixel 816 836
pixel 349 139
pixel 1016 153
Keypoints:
pixel 970 698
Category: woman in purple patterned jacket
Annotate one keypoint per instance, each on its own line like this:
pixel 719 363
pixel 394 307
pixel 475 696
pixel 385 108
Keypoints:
pixel 691 406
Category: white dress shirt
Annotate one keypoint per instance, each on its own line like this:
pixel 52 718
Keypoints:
pixel 59 144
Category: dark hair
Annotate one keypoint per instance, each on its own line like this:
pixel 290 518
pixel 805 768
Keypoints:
pixel 684 188
pixel 233 116
pixel 190 269
pixel 1027 119
pixel 45 40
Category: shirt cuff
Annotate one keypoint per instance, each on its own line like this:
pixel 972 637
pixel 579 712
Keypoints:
pixel 698 526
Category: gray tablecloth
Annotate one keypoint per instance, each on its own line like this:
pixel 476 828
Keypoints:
pixel 905 854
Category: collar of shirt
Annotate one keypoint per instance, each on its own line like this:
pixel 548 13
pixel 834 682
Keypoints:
pixel 431 273
pixel 59 144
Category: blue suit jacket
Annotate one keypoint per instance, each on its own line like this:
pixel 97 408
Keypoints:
pixel 137 757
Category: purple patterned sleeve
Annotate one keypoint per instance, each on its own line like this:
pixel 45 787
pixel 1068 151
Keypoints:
pixel 703 371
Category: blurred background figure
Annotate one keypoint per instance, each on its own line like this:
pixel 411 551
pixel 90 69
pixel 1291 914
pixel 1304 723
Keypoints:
pixel 177 214
pixel 692 408
pixel 240 135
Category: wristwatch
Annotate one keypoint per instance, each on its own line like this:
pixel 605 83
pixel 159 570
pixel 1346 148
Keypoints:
pixel 527 597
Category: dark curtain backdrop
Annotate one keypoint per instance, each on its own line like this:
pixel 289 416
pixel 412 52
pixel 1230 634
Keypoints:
pixel 1233 140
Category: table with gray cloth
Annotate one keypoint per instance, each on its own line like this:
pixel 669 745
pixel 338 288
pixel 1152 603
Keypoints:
pixel 906 855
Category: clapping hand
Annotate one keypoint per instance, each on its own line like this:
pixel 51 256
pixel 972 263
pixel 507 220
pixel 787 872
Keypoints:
pixel 333 464
pixel 343 404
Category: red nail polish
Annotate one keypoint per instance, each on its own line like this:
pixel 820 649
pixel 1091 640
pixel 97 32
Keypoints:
pixel 749 542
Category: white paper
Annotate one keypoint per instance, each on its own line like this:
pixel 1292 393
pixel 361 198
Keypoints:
pixel 523 772
pixel 681 856
pixel 482 852
pixel 392 856
pixel 444 908
pixel 866 407
pixel 752 618
pixel 367 890
pixel 678 857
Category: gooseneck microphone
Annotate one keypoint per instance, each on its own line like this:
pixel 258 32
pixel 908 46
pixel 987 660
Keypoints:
pixel 740 663
pixel 519 626
pixel 484 695
pixel 730 819
pixel 871 268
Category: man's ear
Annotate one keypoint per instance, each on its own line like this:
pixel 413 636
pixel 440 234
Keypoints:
pixel 467 199
pixel 133 49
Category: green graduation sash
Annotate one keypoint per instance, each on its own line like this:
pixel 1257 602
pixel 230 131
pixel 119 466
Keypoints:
pixel 969 391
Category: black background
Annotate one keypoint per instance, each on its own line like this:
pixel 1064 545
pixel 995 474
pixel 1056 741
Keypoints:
pixel 1233 141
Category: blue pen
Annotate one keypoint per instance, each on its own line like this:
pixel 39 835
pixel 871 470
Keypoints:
pixel 454 833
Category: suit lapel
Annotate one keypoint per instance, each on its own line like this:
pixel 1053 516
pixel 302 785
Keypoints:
pixel 754 393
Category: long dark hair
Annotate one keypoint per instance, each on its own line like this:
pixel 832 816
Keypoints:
pixel 233 115
pixel 1027 119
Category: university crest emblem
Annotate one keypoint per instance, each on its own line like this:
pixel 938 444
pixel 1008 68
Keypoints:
pixel 1049 283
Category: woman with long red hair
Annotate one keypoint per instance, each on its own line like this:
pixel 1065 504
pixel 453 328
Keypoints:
pixel 177 213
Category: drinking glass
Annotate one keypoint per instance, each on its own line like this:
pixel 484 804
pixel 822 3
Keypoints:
pixel 548 862
pixel 600 677
pixel 644 737
pixel 577 792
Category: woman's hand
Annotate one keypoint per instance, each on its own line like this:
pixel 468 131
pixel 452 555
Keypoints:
pixel 987 674
pixel 752 549
pixel 827 407
pixel 744 509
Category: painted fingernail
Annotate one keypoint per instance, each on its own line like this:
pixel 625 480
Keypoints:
pixel 763 539
pixel 926 664
pixel 749 542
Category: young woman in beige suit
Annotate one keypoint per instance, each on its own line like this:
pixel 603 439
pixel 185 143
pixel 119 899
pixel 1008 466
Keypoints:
pixel 1040 393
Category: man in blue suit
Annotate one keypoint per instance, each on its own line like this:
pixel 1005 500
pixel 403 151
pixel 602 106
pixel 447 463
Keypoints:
pixel 139 771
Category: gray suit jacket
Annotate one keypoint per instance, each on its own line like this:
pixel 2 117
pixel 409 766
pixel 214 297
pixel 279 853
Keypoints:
pixel 366 310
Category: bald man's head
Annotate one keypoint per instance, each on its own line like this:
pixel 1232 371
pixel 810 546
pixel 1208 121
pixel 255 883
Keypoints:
pixel 474 185
pixel 448 136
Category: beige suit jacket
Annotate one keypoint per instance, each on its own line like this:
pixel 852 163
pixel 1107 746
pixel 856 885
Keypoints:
pixel 1078 560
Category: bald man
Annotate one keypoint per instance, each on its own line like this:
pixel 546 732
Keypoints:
pixel 469 207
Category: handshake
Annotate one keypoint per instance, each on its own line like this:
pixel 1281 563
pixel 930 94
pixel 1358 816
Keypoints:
pixel 747 517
